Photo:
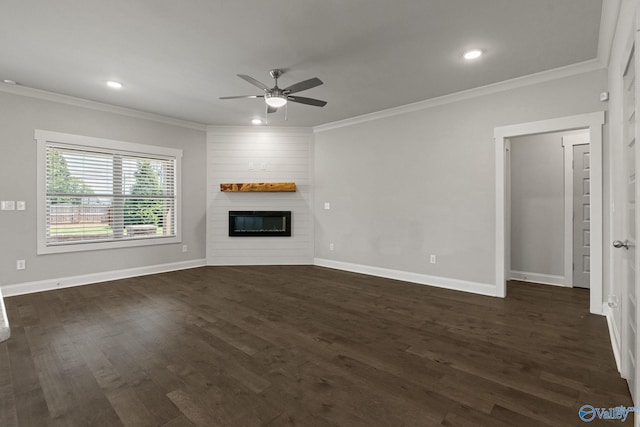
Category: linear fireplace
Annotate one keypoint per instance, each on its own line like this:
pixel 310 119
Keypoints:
pixel 260 223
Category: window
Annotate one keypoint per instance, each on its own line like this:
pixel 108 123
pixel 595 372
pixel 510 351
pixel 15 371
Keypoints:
pixel 96 194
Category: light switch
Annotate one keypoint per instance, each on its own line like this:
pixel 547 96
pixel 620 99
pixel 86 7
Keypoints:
pixel 21 205
pixel 327 206
pixel 8 205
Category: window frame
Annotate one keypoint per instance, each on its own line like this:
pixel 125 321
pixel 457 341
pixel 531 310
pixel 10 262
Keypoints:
pixel 43 137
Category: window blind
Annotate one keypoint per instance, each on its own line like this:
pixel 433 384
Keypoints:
pixel 96 195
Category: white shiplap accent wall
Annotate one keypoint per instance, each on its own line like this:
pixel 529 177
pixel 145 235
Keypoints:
pixel 288 155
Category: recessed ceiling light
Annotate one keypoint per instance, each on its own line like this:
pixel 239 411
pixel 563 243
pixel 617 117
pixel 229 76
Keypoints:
pixel 114 85
pixel 9 82
pixel 473 54
pixel 256 121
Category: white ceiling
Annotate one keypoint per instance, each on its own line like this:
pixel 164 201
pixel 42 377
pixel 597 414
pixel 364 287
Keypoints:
pixel 176 58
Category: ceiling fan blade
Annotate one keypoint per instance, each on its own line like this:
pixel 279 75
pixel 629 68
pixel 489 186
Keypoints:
pixel 242 96
pixel 271 109
pixel 254 82
pixel 308 101
pixel 304 85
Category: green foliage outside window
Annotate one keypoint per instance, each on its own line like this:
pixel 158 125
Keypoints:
pixel 144 210
pixel 61 181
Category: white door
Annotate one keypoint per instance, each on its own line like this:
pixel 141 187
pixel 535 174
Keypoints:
pixel 581 216
pixel 627 242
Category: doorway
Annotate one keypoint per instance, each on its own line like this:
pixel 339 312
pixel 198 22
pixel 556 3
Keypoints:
pixel 593 122
pixel 548 208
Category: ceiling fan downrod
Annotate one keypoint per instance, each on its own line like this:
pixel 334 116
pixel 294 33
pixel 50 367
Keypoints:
pixel 276 73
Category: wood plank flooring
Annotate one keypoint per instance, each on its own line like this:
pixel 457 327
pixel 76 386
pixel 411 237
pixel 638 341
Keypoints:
pixel 303 346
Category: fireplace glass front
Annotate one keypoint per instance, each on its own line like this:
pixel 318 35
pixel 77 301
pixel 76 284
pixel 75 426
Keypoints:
pixel 260 223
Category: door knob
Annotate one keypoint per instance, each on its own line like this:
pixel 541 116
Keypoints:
pixel 619 244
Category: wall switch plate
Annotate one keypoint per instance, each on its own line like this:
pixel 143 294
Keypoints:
pixel 331 246
pixel 433 259
pixel 185 248
pixel 8 205
pixel 21 264
pixel 327 206
pixel 251 166
pixel 21 205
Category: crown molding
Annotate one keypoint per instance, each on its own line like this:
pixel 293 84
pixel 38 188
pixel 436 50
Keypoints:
pixel 99 106
pixel 518 82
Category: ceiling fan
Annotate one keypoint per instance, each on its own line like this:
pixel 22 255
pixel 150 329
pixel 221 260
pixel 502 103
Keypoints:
pixel 275 97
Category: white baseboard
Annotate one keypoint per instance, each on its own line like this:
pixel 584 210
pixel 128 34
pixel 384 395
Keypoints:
pixel 226 262
pixel 613 333
pixel 545 279
pixel 423 279
pixel 86 279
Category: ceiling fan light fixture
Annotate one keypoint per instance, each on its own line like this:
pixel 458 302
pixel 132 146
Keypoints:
pixel 275 101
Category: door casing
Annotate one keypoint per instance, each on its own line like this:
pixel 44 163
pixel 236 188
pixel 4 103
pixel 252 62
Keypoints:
pixel 594 123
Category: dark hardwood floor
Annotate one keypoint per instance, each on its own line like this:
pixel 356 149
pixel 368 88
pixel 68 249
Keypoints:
pixel 306 346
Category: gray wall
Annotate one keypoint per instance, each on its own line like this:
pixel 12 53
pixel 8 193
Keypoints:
pixel 20 116
pixel 537 204
pixel 287 155
pixel 400 187
pixel 423 182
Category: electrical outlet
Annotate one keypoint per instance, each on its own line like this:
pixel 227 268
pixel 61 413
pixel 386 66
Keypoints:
pixel 185 248
pixel 331 246
pixel 433 259
pixel 327 206
pixel 20 264
pixel 251 166
pixel 21 205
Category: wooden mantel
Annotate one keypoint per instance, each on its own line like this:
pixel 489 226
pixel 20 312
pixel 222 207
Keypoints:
pixel 259 187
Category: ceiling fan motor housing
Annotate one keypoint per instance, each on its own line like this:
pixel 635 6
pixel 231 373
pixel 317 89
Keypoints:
pixel 276 73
